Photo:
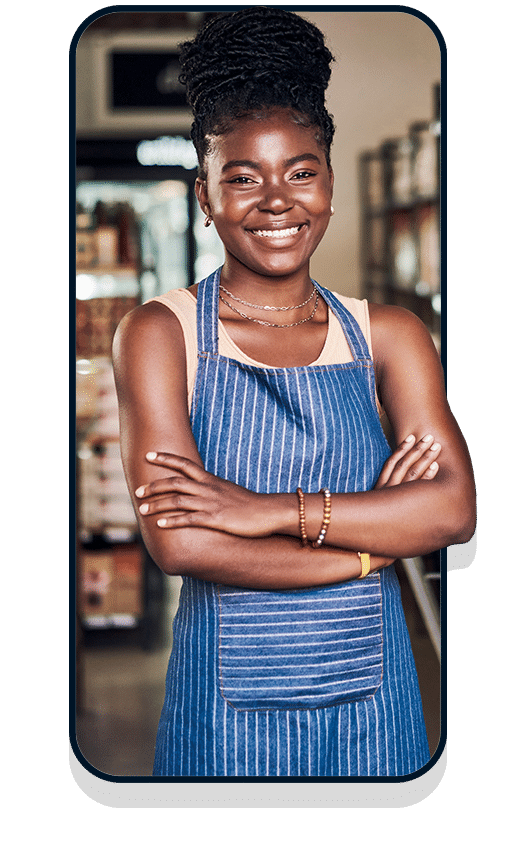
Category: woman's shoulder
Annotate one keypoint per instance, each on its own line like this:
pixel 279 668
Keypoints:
pixel 152 326
pixel 387 318
pixel 390 313
pixel 178 300
pixel 396 331
pixel 163 312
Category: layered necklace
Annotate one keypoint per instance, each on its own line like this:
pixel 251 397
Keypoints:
pixel 267 307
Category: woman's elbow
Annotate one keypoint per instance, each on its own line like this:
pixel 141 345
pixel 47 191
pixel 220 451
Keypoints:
pixel 461 518
pixel 192 552
pixel 170 552
pixel 465 529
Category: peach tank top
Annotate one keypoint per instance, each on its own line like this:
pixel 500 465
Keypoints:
pixel 336 349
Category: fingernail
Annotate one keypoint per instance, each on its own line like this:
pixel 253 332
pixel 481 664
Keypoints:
pixel 433 466
pixel 427 438
pixel 435 446
pixel 161 522
pixel 409 439
pixel 144 507
pixel 150 456
pixel 140 491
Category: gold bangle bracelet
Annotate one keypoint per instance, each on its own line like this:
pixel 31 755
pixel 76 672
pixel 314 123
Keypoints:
pixel 365 561
pixel 302 519
pixel 326 517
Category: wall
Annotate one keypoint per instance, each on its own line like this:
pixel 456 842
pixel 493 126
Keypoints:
pixel 386 66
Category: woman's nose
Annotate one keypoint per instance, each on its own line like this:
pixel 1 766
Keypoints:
pixel 276 198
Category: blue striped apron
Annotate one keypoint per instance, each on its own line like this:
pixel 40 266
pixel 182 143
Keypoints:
pixel 318 682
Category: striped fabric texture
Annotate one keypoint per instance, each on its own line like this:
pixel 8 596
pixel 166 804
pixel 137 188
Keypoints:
pixel 309 648
pixel 305 683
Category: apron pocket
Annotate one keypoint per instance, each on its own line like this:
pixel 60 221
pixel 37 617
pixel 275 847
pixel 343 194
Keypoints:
pixel 300 649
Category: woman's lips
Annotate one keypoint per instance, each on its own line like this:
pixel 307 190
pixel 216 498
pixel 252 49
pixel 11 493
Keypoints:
pixel 277 233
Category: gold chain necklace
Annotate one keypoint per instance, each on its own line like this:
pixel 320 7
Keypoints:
pixel 266 307
pixel 271 324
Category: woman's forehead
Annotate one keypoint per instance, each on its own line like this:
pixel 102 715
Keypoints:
pixel 279 132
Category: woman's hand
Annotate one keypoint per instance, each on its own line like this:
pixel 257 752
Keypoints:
pixel 196 498
pixel 412 460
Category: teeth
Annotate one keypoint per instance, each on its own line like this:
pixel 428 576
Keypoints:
pixel 276 233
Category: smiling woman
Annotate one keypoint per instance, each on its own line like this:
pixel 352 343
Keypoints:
pixel 254 452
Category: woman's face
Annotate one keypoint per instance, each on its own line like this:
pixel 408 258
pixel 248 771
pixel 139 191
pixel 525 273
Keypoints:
pixel 268 189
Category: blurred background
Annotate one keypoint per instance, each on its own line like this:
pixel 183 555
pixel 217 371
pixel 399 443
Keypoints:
pixel 139 233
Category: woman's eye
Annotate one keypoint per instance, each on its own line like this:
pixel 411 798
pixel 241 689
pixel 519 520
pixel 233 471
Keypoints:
pixel 304 174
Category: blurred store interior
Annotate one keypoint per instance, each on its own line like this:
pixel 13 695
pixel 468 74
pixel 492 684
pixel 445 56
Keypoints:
pixel 139 233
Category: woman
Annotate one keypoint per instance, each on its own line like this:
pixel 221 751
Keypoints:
pixel 255 455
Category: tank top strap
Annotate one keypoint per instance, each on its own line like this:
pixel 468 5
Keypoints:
pixel 208 314
pixel 352 330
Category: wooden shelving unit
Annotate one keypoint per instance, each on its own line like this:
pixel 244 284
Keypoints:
pixel 119 589
pixel 400 198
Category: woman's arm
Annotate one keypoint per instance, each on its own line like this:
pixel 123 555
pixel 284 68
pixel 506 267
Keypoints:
pixel 150 372
pixel 407 515
pixel 419 516
pixel 416 517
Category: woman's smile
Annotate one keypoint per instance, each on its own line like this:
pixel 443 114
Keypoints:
pixel 277 232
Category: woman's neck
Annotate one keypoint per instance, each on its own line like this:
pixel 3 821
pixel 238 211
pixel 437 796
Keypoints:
pixel 262 289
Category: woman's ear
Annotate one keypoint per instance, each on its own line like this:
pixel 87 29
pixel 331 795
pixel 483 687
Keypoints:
pixel 201 194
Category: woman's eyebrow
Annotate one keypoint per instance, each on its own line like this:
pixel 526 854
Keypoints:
pixel 254 165
pixel 307 156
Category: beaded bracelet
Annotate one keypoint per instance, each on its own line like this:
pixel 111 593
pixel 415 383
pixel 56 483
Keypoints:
pixel 326 517
pixel 302 519
pixel 365 561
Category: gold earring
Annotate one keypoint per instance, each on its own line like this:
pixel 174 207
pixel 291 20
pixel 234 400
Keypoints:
pixel 332 210
pixel 208 221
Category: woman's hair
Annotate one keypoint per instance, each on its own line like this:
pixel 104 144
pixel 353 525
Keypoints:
pixel 258 58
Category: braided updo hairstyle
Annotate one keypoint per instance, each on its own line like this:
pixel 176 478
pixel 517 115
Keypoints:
pixel 241 63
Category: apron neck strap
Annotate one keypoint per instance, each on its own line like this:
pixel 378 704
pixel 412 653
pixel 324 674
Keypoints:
pixel 208 314
pixel 351 328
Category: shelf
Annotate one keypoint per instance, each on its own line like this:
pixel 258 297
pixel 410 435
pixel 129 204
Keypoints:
pixel 112 621
pixel 400 240
pixel 396 205
pixel 108 537
pixel 114 270
pixel 95 439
